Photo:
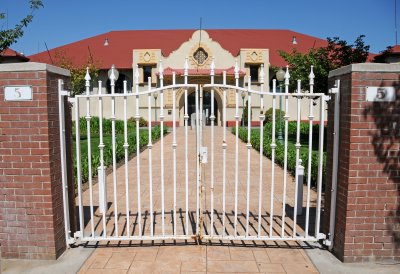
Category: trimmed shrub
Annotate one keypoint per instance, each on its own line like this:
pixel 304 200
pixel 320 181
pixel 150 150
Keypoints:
pixel 119 149
pixel 291 149
pixel 269 113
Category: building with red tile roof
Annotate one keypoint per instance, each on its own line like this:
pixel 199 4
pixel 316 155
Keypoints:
pixel 121 43
pixel 138 55
pixel 11 56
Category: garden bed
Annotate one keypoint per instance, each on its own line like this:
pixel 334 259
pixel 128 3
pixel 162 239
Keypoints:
pixel 107 140
pixel 291 148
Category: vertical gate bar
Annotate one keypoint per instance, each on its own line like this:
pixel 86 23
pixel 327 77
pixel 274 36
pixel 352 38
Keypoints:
pixel 286 117
pixel 273 147
pixel 298 145
pixel 161 71
pixel 320 163
pixel 114 159
pixel 248 156
pixel 224 157
pixel 89 149
pixel 212 118
pixel 78 166
pixel 186 150
pixel 126 146
pixel 61 118
pixel 137 117
pixel 261 149
pixel 310 138
pixel 101 148
pixel 200 190
pixel 150 146
pixel 174 145
pixel 197 159
pixel 236 145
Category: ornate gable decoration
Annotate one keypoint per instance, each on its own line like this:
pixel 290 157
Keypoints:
pixel 148 56
pixel 200 56
pixel 254 56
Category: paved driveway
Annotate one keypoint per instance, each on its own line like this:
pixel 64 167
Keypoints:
pixel 212 256
pixel 199 259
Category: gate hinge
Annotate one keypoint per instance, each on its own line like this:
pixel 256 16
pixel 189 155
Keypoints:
pixel 321 236
pixel 327 97
pixel 65 93
pixel 71 241
pixel 334 90
pixel 77 235
pixel 327 242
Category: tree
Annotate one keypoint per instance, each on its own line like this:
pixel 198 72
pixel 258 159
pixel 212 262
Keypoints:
pixel 299 68
pixel 381 57
pixel 10 36
pixel 336 54
pixel 77 72
pixel 244 114
pixel 341 54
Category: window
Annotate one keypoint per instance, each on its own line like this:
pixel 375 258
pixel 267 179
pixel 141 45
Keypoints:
pixel 254 69
pixel 146 73
pixel 200 55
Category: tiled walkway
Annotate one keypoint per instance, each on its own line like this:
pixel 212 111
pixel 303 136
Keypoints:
pixel 198 259
pixel 191 258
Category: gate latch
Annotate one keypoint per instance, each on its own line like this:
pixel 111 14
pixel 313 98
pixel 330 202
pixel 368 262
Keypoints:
pixel 203 155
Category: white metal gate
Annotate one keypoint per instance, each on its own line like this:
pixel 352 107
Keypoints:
pixel 206 192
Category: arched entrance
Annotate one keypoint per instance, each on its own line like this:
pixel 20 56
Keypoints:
pixel 206 107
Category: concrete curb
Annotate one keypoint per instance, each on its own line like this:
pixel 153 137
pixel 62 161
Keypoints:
pixel 70 262
pixel 327 263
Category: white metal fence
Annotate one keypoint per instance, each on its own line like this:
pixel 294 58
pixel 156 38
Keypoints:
pixel 230 196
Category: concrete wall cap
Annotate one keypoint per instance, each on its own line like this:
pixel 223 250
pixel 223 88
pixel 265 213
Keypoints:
pixel 33 66
pixel 365 67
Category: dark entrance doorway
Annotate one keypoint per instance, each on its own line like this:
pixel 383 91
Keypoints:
pixel 206 107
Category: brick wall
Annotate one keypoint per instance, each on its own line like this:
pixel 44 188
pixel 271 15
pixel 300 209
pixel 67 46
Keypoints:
pixel 368 194
pixel 31 207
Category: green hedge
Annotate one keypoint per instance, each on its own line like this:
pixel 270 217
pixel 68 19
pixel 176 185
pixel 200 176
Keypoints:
pixel 107 126
pixel 279 151
pixel 119 149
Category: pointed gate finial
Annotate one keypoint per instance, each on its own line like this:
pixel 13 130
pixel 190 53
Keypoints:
pixel 112 75
pixel 87 80
pixel 262 74
pixel 212 67
pixel 87 76
pixel 161 70
pixel 186 67
pixel 236 69
pixel 137 74
pixel 311 76
pixel 287 76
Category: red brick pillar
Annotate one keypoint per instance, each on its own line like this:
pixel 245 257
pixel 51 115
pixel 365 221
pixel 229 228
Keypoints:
pixel 368 194
pixel 31 201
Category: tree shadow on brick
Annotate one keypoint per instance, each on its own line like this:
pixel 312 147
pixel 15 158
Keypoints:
pixel 386 143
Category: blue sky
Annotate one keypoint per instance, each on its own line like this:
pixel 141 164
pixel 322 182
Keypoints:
pixel 61 22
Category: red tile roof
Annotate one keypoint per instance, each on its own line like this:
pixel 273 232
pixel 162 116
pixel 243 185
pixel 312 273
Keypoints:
pixel 12 53
pixel 396 49
pixel 121 44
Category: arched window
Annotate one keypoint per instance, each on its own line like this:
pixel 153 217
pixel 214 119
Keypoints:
pixel 119 85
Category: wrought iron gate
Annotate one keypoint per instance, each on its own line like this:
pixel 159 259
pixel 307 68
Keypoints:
pixel 208 189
